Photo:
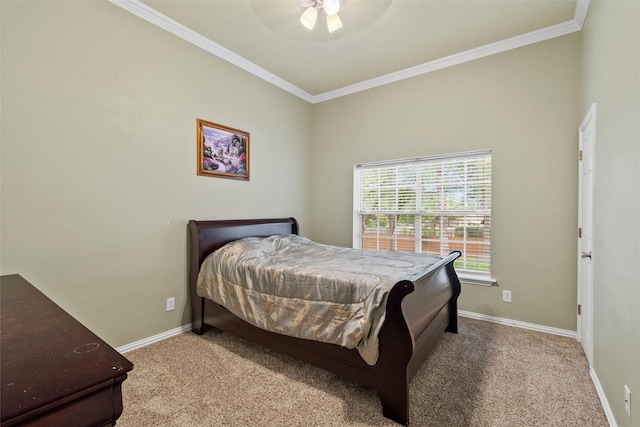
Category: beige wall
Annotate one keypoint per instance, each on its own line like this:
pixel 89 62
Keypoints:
pixel 611 78
pixel 522 104
pixel 98 159
pixel 98 165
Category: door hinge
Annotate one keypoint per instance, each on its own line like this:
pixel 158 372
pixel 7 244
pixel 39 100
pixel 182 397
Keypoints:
pixel 580 232
pixel 580 155
pixel 579 309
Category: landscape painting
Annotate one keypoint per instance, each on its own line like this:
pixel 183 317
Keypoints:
pixel 222 151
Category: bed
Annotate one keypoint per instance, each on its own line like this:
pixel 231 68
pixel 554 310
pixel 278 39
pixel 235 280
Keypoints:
pixel 418 311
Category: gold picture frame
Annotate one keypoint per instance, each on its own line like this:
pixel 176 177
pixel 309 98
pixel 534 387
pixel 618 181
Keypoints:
pixel 222 151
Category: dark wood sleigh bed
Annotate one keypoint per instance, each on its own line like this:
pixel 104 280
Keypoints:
pixel 417 313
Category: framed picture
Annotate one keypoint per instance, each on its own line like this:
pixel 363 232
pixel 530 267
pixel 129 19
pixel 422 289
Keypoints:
pixel 222 151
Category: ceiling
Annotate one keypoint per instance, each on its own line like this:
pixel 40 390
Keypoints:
pixel 381 41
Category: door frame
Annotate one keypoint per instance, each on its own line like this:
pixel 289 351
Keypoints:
pixel 586 284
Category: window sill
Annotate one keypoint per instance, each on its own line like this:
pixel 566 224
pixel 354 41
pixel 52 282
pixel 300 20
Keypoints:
pixel 472 279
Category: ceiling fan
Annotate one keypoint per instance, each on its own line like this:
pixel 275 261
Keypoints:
pixel 328 8
pixel 283 17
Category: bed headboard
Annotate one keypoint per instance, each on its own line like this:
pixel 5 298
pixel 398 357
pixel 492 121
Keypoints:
pixel 207 236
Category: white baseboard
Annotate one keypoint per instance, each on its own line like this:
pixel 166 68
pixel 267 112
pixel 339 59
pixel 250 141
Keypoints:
pixel 519 324
pixel 503 321
pixel 603 399
pixel 150 340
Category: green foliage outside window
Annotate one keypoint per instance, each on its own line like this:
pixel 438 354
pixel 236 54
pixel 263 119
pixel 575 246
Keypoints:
pixel 472 231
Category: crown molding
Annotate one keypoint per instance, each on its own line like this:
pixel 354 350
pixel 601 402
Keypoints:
pixel 151 15
pixel 455 59
pixel 580 13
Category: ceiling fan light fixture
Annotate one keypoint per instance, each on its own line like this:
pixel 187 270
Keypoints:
pixel 331 7
pixel 309 17
pixel 333 23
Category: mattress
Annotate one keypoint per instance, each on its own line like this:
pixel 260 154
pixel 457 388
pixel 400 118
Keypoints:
pixel 291 285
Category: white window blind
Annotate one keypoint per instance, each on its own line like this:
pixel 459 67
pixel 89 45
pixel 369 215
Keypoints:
pixel 431 205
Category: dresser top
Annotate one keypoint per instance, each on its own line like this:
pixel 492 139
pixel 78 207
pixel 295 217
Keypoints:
pixel 45 353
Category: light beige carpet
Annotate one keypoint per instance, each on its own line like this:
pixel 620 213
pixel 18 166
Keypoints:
pixel 487 375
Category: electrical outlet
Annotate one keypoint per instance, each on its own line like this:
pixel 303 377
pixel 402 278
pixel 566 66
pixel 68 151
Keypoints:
pixel 171 304
pixel 627 400
pixel 506 296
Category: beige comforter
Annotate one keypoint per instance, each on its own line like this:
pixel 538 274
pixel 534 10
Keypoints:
pixel 293 286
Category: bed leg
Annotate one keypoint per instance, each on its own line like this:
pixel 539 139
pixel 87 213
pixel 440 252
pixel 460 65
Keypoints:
pixel 197 329
pixel 453 317
pixel 395 401
pixel 197 316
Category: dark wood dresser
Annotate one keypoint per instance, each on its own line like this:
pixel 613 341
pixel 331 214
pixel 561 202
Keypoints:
pixel 55 372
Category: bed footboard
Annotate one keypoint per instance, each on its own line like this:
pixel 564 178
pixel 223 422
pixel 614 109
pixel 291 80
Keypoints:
pixel 418 313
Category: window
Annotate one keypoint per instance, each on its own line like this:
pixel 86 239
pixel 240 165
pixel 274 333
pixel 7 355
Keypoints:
pixel 431 205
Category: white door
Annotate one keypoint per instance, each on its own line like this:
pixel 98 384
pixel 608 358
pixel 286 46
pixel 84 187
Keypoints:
pixel 586 223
